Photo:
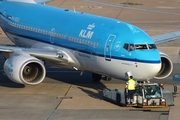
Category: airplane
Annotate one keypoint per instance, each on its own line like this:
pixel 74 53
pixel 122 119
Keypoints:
pixel 78 41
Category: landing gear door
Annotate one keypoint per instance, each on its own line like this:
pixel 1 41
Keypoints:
pixel 108 47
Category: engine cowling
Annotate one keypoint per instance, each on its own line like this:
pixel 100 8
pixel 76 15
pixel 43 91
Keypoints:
pixel 25 70
pixel 166 67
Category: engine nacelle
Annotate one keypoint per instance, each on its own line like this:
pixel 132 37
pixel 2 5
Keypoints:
pixel 25 70
pixel 166 67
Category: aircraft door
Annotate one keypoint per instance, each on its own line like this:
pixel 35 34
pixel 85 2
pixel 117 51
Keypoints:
pixel 52 35
pixel 108 47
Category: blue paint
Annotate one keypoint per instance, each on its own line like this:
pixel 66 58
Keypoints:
pixel 176 78
pixel 81 26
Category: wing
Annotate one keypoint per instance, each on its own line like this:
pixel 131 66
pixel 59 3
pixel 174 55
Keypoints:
pixel 26 65
pixel 166 37
pixel 42 1
pixel 52 56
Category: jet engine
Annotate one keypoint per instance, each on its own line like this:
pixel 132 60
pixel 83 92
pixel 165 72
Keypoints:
pixel 25 70
pixel 166 67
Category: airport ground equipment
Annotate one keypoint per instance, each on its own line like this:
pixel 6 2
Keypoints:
pixel 146 95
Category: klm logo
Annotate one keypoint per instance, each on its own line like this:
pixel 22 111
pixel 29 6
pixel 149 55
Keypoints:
pixel 91 26
pixel 87 33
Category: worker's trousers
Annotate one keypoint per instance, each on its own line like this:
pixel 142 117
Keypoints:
pixel 130 94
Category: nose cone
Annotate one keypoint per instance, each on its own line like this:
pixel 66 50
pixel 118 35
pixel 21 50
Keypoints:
pixel 149 71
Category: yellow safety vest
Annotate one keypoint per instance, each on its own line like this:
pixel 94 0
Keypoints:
pixel 131 84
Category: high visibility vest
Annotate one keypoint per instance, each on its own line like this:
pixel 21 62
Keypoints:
pixel 131 84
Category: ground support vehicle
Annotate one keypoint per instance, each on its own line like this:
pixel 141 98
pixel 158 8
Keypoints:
pixel 146 95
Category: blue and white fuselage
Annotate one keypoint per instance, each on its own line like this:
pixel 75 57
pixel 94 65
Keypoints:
pixel 91 43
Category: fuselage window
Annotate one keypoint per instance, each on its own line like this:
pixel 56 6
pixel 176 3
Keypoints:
pixel 78 40
pixel 57 35
pixel 97 44
pixel 91 43
pixel 94 45
pixel 74 39
pixel 70 38
pixel 44 32
pixel 88 43
pixel 33 29
pixel 82 41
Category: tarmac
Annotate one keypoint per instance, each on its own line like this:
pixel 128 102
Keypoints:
pixel 66 95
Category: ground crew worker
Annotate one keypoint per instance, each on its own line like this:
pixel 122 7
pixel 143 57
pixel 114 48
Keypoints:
pixel 131 89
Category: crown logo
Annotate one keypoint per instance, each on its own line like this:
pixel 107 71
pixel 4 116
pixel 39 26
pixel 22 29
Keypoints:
pixel 91 26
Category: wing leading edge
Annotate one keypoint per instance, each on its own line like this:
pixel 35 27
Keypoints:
pixel 59 56
pixel 161 38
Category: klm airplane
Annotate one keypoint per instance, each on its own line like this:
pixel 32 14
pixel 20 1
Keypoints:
pixel 76 40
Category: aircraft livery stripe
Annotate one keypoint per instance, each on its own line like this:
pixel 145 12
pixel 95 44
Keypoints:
pixel 92 53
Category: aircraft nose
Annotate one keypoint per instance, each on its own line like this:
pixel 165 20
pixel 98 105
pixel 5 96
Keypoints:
pixel 147 71
pixel 149 64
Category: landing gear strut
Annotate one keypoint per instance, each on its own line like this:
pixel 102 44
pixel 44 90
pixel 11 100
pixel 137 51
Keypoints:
pixel 107 78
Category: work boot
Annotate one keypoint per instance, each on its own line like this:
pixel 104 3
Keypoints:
pixel 134 102
pixel 131 101
pixel 128 101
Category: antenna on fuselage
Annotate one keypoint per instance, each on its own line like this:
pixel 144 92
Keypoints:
pixel 74 9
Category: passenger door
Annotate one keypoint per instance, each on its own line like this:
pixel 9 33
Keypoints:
pixel 108 47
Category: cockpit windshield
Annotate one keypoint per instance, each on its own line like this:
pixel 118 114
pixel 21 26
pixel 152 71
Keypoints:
pixel 132 47
pixel 152 46
pixel 141 46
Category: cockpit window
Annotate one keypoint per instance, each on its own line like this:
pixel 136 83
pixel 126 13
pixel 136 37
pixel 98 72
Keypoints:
pixel 152 46
pixel 128 47
pixel 132 47
pixel 140 46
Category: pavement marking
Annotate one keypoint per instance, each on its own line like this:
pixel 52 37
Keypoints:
pixel 132 8
pixel 61 99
